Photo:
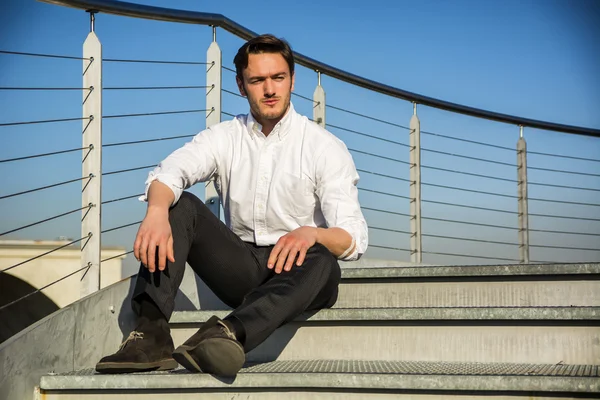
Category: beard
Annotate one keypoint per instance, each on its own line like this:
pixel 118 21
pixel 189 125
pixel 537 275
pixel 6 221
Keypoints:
pixel 264 112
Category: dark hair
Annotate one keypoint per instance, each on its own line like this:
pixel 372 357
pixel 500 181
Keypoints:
pixel 263 44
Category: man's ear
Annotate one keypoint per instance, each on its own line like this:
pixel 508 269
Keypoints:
pixel 240 86
pixel 293 80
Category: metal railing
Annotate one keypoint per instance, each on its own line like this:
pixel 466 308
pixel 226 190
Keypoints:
pixel 429 196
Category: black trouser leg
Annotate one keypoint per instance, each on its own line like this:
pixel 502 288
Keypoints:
pixel 223 261
pixel 311 286
pixel 237 273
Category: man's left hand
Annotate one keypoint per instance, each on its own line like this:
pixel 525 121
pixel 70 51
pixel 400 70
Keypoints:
pixel 288 247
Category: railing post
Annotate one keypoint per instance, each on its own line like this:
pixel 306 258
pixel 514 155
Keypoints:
pixel 92 162
pixel 213 107
pixel 416 247
pixel 319 103
pixel 522 193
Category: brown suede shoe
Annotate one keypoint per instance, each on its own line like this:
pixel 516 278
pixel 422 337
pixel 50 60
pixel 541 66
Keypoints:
pixel 214 349
pixel 148 348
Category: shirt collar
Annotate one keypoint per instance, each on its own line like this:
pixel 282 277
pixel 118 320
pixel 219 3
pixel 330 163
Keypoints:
pixel 281 129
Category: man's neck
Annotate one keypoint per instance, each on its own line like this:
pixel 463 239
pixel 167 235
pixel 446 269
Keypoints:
pixel 269 125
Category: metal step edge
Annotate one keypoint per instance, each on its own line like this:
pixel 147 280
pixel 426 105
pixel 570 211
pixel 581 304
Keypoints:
pixel 445 271
pixel 361 375
pixel 415 314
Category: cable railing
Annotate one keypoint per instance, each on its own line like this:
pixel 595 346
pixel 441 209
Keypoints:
pixel 465 198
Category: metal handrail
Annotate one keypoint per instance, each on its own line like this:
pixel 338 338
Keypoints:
pixel 218 20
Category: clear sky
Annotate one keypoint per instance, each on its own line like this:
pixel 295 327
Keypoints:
pixel 538 59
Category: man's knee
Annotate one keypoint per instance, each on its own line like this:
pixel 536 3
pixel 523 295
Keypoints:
pixel 187 206
pixel 326 262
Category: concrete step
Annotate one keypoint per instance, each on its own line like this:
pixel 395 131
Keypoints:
pixel 337 379
pixel 445 286
pixel 481 334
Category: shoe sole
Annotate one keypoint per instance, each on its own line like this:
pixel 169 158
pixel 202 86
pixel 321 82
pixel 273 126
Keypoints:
pixel 216 356
pixel 129 367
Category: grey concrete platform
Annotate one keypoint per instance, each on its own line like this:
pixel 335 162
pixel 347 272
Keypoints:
pixel 420 314
pixel 482 334
pixel 339 376
pixel 448 286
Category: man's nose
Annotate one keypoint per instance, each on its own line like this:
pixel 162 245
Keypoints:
pixel 269 88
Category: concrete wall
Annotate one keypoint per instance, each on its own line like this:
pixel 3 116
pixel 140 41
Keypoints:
pixel 56 265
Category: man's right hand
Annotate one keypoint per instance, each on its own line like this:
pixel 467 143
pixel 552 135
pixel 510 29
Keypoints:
pixel 154 232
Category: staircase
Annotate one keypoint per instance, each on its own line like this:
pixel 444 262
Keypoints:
pixel 426 332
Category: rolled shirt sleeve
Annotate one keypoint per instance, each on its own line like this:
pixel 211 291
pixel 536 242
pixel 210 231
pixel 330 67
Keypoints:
pixel 338 194
pixel 195 162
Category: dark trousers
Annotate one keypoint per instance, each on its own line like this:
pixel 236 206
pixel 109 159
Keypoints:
pixel 236 271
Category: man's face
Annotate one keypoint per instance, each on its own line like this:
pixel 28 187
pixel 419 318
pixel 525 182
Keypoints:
pixel 268 84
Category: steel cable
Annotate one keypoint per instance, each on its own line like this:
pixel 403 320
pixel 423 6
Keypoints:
pixel 46 187
pixel 45 287
pixel 45 121
pixel 367 117
pixel 233 93
pixel 386 211
pixel 117 256
pixel 470 239
pixel 122 198
pixel 48 252
pixel 154 87
pixel 367 135
pixel 378 156
pixel 470 223
pixel 128 170
pixel 306 98
pixel 469 141
pixel 43 155
pixel 43 55
pixel 154 113
pixel 146 141
pixel 120 227
pixel 470 256
pixel 384 175
pixel 389 248
pixel 468 157
pixel 389 230
pixel 89 206
pixel 155 61
pixel 470 174
pixel 387 194
pixel 469 206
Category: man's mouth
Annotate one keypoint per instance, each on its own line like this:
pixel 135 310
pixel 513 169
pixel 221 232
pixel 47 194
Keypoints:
pixel 270 102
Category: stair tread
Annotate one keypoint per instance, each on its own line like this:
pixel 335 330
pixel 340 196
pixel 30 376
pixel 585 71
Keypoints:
pixel 419 313
pixel 339 374
pixel 437 271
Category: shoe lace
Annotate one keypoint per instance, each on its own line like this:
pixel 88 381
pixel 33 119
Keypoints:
pixel 133 336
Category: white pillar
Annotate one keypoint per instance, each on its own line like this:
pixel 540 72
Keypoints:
pixel 416 247
pixel 213 106
pixel 91 162
pixel 522 193
pixel 319 103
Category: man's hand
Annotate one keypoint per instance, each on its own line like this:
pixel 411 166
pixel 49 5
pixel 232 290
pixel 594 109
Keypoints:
pixel 155 231
pixel 295 243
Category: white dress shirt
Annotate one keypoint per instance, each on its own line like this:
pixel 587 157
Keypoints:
pixel 298 175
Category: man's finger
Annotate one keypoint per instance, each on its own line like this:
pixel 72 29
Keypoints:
pixel 136 245
pixel 143 250
pixel 162 255
pixel 290 258
pixel 170 252
pixel 274 254
pixel 301 256
pixel 152 255
pixel 281 258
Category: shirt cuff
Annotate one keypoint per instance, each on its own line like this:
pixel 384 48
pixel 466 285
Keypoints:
pixel 165 179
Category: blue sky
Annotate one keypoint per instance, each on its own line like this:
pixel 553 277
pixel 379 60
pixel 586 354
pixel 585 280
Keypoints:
pixel 537 59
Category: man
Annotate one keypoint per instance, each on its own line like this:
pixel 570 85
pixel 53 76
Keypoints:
pixel 288 189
